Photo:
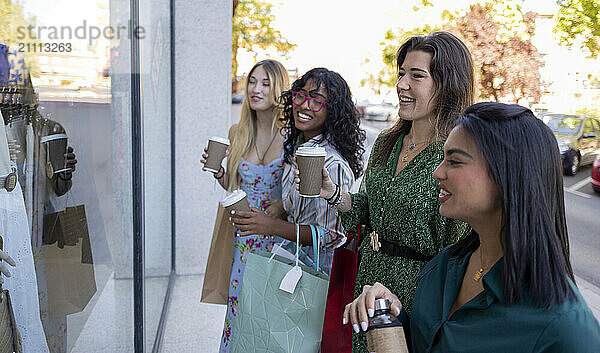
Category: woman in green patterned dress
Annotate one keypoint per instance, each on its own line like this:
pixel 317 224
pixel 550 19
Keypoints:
pixel 398 197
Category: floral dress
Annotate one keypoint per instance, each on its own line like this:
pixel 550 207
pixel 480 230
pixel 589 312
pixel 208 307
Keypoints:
pixel 262 184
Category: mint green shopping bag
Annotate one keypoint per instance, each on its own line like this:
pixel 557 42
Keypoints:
pixel 269 319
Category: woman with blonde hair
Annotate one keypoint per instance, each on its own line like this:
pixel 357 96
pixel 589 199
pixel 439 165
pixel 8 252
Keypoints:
pixel 255 165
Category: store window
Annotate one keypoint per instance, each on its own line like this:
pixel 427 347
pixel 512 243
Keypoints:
pixel 68 103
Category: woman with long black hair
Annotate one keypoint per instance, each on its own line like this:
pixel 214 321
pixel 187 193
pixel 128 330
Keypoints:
pixel 507 285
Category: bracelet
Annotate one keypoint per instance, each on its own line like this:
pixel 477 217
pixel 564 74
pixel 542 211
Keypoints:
pixel 337 189
pixel 337 199
pixel 221 171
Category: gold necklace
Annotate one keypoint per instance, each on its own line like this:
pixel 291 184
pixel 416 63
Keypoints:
pixel 410 149
pixel 479 273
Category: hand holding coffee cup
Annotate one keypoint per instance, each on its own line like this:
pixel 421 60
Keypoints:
pixel 327 185
pixel 215 153
pixel 310 161
pixel 59 158
pixel 236 201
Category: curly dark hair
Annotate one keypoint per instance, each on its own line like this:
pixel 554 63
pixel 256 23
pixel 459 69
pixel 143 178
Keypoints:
pixel 342 126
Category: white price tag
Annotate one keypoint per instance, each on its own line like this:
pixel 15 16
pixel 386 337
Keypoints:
pixel 289 282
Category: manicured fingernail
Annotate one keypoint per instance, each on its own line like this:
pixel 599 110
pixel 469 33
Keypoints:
pixel 371 312
pixel 355 327
pixel 363 325
pixel 344 321
pixel 397 310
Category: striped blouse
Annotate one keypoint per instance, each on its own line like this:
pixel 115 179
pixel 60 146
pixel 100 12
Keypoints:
pixel 316 211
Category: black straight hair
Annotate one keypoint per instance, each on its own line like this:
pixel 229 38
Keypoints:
pixel 523 160
pixel 342 125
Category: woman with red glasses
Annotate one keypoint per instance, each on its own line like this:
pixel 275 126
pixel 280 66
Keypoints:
pixel 317 111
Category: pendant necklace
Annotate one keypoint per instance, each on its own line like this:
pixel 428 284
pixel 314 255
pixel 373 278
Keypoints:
pixel 258 154
pixel 410 149
pixel 479 273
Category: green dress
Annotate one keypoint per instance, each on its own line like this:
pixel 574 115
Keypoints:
pixel 403 210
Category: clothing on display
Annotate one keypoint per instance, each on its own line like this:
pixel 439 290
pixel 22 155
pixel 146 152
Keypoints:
pixel 25 128
pixel 22 285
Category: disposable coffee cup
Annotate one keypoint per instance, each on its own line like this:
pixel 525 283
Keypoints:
pixel 236 201
pixel 217 146
pixel 56 148
pixel 310 164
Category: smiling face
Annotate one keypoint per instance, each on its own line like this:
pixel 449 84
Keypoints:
pixel 307 121
pixel 259 90
pixel 415 86
pixel 467 192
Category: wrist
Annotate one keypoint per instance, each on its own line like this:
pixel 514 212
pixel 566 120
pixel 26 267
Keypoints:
pixel 331 192
pixel 220 174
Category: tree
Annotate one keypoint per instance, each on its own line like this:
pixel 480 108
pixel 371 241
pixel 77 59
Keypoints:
pixel 578 22
pixel 499 38
pixel 252 30
pixel 506 61
pixel 385 79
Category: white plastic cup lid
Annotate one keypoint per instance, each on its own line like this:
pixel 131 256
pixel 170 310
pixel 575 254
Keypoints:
pixel 220 140
pixel 311 151
pixel 232 198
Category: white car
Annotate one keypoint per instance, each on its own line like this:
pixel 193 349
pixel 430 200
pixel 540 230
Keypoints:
pixel 381 112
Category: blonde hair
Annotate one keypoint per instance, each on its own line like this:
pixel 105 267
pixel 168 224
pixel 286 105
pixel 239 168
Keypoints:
pixel 245 135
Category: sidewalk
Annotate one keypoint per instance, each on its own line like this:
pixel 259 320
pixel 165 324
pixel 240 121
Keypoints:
pixel 591 294
pixel 196 327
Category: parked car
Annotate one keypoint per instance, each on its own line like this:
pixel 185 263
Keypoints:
pixel 237 99
pixel 596 174
pixel 361 107
pixel 381 112
pixel 578 138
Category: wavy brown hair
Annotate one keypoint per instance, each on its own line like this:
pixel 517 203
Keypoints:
pixel 452 72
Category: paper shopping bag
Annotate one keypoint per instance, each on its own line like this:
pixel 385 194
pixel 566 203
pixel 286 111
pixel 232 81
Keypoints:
pixel 215 289
pixel 65 227
pixel 70 282
pixel 337 338
pixel 269 319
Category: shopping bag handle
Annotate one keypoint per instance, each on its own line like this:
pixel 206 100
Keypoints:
pixel 297 245
pixel 315 243
pixel 70 193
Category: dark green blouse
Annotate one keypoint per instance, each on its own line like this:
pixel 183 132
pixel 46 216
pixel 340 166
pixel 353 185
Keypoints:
pixel 403 210
pixel 487 323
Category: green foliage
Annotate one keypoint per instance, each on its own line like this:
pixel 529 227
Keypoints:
pixel 252 31
pixel 498 35
pixel 506 61
pixel 385 79
pixel 578 23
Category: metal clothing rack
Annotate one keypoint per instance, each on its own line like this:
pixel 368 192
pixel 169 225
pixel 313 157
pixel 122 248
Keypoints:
pixel 16 103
